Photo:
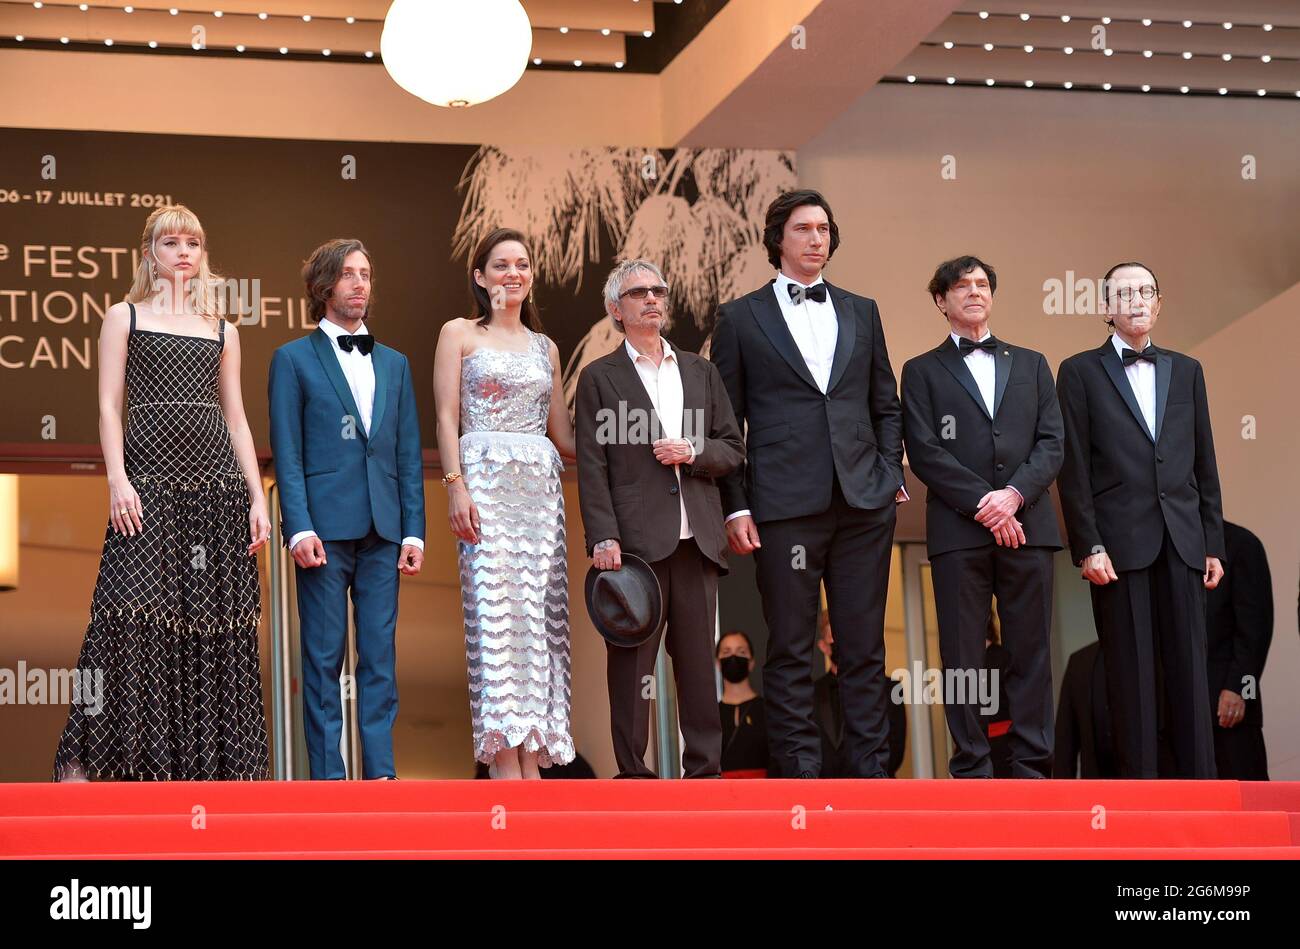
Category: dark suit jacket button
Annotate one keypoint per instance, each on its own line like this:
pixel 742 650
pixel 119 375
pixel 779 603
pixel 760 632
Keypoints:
pixel 673 489
pixel 1162 495
pixel 996 432
pixel 1159 458
pixel 1001 466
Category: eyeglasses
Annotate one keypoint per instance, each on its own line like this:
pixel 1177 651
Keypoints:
pixel 640 293
pixel 1146 291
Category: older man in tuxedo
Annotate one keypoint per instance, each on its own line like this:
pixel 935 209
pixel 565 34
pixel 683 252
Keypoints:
pixel 983 432
pixel 1140 492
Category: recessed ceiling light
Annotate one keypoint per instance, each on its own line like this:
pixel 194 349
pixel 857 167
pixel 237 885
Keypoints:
pixel 174 12
pixel 261 16
pixel 284 50
pixel 647 33
pixel 619 64
pixel 1145 87
pixel 537 60
pixel 1146 21
pixel 1106 20
pixel 1222 91
pixel 948 45
pixel 63 39
pixel 1024 17
pixel 128 9
pixel 83 7
pixel 370 54
pixel 988 82
pixel 1109 52
pixel 605 31
pixel 1262 92
pixel 239 48
pixel 306 18
pixel 1227 26
pixel 1029 83
pixel 1029 49
pixel 153 44
pixel 38 4
pixel 1065 19
pixel 1268 27
pixel 577 62
pixel 1147 53
pixel 1266 58
pixel 1068 84
pixel 984 14
pixel 988 47
pixel 1068 51
pixel 1184 90
pixel 1227 57
pixel 1186 55
pixel 324 52
pixel 911 79
pixel 108 42
pixel 1187 24
pixel 218 14
pixel 1106 86
pixel 19 38
pixel 951 80
pixel 349 20
pixel 564 29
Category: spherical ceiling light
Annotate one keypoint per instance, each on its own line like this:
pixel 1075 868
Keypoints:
pixel 454 53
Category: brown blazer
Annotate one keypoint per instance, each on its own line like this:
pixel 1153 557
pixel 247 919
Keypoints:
pixel 628 496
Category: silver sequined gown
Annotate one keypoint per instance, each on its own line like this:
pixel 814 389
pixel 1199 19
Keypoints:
pixel 514 582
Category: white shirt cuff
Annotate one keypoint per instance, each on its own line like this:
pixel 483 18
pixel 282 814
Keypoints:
pixel 300 536
pixel 906 496
pixel 413 542
pixel 1018 494
pixel 744 513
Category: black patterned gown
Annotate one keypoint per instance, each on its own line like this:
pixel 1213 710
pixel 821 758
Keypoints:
pixel 173 622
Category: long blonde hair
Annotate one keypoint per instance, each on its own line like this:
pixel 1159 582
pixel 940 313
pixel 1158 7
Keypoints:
pixel 201 289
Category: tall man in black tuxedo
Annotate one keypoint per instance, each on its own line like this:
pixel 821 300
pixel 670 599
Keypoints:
pixel 1140 492
pixel 805 365
pixel 983 431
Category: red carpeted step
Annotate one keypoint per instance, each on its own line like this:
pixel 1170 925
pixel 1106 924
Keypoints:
pixel 1271 796
pixel 835 853
pixel 607 795
pixel 529 830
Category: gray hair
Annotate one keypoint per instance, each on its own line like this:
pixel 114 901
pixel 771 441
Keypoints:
pixel 618 276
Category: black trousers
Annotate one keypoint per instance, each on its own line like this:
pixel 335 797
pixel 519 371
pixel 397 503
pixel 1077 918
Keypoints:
pixel 849 549
pixel 1239 752
pixel 965 581
pixel 1151 623
pixel 689 582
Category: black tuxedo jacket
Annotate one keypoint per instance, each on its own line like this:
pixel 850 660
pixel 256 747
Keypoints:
pixel 799 439
pixel 962 453
pixel 625 493
pixel 1239 620
pixel 1120 488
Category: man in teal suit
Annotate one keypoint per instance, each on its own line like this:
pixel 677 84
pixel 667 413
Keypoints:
pixel 346 444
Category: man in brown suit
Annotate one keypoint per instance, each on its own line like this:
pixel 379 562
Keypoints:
pixel 654 430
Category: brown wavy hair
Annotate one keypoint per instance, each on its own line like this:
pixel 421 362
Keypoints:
pixel 322 270
pixel 482 303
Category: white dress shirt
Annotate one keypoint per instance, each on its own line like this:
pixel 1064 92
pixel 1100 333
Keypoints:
pixel 359 370
pixel 1142 378
pixel 983 366
pixel 813 325
pixel 663 383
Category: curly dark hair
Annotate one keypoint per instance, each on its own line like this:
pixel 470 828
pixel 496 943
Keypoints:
pixel 779 211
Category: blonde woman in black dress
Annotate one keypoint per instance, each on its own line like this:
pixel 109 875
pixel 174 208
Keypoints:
pixel 173 622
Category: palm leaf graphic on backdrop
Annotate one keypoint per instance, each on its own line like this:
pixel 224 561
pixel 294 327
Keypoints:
pixel 699 217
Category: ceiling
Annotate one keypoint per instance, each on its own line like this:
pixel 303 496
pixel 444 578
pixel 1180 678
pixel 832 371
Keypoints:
pixel 631 35
pixel 1174 47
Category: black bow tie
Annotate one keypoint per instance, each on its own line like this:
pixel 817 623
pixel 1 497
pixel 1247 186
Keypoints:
pixel 1130 357
pixel 364 343
pixel 798 294
pixel 967 347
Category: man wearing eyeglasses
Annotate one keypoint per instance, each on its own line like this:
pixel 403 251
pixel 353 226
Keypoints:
pixel 654 429
pixel 1140 493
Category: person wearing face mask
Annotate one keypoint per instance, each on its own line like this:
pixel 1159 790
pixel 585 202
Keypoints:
pixel 744 726
pixel 1144 513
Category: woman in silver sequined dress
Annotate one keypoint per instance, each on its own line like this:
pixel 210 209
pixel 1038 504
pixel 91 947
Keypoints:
pixel 502 429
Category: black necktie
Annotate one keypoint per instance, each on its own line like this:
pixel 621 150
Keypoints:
pixel 364 343
pixel 967 347
pixel 1130 357
pixel 798 294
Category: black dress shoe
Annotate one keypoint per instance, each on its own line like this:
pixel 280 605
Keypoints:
pixel 805 774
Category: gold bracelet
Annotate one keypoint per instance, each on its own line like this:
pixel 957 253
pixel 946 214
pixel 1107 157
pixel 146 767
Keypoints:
pixel 449 479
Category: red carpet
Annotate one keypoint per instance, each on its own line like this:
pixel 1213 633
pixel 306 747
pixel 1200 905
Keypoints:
pixel 673 819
